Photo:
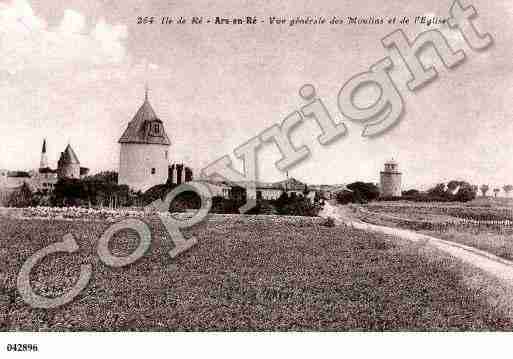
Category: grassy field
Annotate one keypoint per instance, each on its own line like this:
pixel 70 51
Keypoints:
pixel 500 245
pixel 494 239
pixel 249 275
pixel 492 202
pixel 437 212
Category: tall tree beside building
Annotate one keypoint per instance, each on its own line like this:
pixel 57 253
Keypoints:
pixel 484 189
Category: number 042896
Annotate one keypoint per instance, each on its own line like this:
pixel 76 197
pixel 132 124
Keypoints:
pixel 22 348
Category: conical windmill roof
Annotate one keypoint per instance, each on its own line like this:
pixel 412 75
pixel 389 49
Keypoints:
pixel 69 156
pixel 136 131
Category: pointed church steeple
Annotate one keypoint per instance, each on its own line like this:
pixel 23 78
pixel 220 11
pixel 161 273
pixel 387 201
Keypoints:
pixel 44 158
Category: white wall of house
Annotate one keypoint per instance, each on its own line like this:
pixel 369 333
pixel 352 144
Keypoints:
pixel 267 193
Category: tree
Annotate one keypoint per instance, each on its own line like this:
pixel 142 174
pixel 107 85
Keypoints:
pixel 75 192
pixel 289 206
pixel 68 192
pixel 411 193
pixel 452 186
pixel 484 188
pixel 455 190
pixel 105 177
pixel 22 197
pixel 366 191
pixel 496 191
pixel 438 193
pixel 465 193
pixel 507 188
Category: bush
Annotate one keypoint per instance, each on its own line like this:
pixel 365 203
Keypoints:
pixel 364 192
pixel 296 206
pixel 184 201
pixel 225 206
pixel 360 192
pixel 329 222
pixel 285 205
pixel 465 194
pixel 75 192
pixel 263 207
pixel 22 197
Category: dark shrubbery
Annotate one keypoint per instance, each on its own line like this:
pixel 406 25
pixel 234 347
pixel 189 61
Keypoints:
pixel 106 177
pixel 297 206
pixel 411 193
pixel 459 191
pixel 184 201
pixel 155 193
pixel 365 191
pixel 22 197
pixel 329 222
pixel 466 194
pixel 94 192
pixel 285 205
pixel 361 192
pixel 225 206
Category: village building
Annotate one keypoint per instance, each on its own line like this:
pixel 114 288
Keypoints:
pixel 332 192
pixel 267 191
pixel 44 178
pixel 217 189
pixel 272 191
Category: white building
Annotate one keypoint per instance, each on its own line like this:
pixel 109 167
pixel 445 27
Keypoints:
pixel 144 154
pixel 217 189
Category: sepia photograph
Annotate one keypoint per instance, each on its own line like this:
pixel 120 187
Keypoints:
pixel 270 172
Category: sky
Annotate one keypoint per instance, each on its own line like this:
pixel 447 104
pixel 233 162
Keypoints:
pixel 75 72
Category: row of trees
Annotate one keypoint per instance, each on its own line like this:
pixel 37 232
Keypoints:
pixel 460 191
pixel 100 190
pixel 284 205
pixel 362 192
pixel 506 188
pixel 359 192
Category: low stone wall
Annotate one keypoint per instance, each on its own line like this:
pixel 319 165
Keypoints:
pixel 76 213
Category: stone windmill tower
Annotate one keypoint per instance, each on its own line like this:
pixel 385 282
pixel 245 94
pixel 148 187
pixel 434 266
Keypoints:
pixel 391 180
pixel 68 165
pixel 143 161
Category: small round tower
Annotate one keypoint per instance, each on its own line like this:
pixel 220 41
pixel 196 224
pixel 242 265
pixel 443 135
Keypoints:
pixel 391 180
pixel 68 165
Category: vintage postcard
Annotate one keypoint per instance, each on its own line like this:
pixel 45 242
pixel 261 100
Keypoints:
pixel 268 166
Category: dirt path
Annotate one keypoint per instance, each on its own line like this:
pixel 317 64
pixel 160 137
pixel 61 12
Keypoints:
pixel 487 262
